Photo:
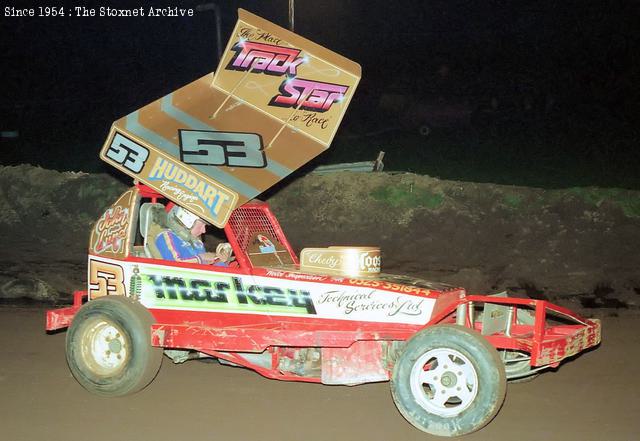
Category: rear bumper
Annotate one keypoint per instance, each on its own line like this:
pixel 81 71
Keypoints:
pixel 61 318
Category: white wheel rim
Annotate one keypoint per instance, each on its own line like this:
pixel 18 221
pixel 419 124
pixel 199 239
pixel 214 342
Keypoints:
pixel 444 382
pixel 105 349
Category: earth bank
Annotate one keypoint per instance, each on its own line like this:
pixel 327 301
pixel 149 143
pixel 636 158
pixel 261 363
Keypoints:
pixel 576 243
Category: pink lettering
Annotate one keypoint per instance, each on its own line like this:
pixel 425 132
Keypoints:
pixel 308 95
pixel 265 58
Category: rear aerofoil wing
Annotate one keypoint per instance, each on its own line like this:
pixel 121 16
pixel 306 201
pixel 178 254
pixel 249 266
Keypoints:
pixel 275 102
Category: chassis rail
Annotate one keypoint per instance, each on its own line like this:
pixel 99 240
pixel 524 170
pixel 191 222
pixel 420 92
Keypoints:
pixel 548 332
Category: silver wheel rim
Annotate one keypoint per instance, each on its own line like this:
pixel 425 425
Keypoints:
pixel 105 349
pixel 444 382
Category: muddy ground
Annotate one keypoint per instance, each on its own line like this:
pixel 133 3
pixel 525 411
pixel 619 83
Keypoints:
pixel 591 398
pixel 576 246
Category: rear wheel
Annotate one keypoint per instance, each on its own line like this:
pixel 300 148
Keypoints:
pixel 109 348
pixel 448 381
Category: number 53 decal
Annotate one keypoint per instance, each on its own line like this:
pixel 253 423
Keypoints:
pixel 128 153
pixel 233 149
pixel 105 279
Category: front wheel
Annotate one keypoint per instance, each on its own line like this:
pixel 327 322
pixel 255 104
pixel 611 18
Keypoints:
pixel 448 381
pixel 109 348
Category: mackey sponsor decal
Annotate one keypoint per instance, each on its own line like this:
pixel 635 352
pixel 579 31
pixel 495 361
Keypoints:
pixel 163 287
pixel 260 295
pixel 219 292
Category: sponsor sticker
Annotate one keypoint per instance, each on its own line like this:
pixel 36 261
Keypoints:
pixel 111 234
pixel 178 181
pixel 220 292
pixel 347 261
pixel 164 287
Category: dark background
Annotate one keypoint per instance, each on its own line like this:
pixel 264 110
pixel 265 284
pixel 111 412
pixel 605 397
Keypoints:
pixel 531 93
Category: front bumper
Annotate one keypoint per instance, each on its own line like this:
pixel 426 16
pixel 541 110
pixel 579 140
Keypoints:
pixel 558 343
pixel 61 318
pixel 550 333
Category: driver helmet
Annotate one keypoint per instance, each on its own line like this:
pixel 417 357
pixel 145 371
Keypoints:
pixel 185 217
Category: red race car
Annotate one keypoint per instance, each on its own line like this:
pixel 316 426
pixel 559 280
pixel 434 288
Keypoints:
pixel 202 154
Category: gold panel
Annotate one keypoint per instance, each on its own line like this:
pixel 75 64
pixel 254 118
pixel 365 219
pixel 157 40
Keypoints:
pixel 111 235
pixel 344 261
pixel 274 103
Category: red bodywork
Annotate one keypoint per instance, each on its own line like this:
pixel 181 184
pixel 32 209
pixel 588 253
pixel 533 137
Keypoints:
pixel 342 351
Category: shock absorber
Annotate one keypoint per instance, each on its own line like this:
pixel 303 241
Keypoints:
pixel 135 285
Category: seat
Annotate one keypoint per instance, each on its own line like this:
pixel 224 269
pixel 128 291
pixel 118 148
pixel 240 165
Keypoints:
pixel 153 219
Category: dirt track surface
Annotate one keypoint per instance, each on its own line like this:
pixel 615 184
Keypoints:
pixel 590 398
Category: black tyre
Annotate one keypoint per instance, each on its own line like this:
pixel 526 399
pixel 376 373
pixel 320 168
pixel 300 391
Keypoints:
pixel 448 381
pixel 109 347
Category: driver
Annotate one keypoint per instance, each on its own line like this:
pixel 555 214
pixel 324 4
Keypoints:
pixel 181 241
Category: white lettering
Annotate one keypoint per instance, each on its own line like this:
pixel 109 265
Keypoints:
pixel 10 11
